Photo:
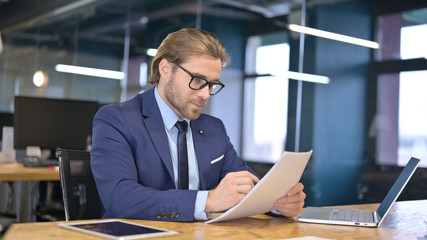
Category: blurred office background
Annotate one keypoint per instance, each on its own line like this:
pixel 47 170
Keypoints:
pixel 363 123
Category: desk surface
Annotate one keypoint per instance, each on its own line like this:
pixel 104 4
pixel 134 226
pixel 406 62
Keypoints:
pixel 17 172
pixel 405 221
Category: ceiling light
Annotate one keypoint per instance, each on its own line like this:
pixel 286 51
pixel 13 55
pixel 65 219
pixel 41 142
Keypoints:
pixel 143 20
pixel 333 36
pixel 295 76
pixel 305 77
pixel 40 78
pixel 151 52
pixel 94 72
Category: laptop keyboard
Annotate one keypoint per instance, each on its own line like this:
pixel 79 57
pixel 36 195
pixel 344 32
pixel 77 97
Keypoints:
pixel 351 215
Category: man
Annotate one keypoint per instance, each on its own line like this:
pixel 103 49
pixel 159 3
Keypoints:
pixel 135 155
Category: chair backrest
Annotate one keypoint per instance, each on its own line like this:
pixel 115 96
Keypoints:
pixel 81 199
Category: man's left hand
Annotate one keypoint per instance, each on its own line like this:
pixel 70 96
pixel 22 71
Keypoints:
pixel 292 204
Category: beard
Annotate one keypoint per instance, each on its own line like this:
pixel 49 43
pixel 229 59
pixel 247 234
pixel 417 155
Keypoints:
pixel 179 104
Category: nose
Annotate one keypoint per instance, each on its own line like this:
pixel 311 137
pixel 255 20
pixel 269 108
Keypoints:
pixel 204 93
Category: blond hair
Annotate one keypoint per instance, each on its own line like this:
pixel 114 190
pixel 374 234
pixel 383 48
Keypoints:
pixel 178 46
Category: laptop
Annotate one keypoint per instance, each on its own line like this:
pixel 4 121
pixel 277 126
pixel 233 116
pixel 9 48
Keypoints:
pixel 361 217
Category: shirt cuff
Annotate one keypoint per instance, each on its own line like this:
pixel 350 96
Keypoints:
pixel 199 210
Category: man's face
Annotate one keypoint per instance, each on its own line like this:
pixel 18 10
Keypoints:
pixel 174 89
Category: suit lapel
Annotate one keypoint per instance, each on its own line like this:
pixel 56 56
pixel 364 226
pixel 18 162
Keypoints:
pixel 155 128
pixel 202 153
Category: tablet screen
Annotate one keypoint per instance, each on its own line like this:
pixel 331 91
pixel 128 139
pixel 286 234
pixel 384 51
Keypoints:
pixel 116 229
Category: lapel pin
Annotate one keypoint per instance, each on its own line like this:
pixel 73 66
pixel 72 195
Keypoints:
pixel 201 132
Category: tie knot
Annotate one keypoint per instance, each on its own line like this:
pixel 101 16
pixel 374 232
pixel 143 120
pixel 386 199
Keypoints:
pixel 182 126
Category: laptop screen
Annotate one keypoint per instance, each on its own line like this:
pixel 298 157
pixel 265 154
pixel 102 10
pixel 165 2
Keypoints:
pixel 397 187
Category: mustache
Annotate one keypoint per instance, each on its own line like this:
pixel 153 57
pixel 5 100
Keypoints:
pixel 201 102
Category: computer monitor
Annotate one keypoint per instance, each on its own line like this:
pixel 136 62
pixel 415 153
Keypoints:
pixel 6 120
pixel 52 123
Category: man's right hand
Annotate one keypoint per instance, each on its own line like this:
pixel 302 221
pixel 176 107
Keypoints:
pixel 230 191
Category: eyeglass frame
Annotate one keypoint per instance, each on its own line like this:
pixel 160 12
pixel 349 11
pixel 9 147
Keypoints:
pixel 222 85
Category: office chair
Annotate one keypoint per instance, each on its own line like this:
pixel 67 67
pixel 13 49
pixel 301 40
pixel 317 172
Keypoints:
pixel 81 199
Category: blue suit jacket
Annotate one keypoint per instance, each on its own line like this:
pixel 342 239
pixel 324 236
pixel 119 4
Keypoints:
pixel 132 166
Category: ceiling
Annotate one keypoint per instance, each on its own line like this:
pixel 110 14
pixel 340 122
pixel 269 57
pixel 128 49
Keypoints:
pixel 109 23
pixel 107 20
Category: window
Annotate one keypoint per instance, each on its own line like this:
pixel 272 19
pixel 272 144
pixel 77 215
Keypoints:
pixel 413 41
pixel 403 35
pixel 401 100
pixel 265 104
pixel 412 116
pixel 402 117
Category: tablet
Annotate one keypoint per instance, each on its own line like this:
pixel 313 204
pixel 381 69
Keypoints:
pixel 116 229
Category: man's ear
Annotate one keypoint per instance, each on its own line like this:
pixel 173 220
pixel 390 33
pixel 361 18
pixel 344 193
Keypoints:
pixel 165 68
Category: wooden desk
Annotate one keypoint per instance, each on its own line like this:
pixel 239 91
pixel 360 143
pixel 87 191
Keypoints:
pixel 405 221
pixel 29 194
pixel 17 172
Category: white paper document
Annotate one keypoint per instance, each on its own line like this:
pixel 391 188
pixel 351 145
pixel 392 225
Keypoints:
pixel 285 174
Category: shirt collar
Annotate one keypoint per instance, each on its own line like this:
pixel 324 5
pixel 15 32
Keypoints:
pixel 168 115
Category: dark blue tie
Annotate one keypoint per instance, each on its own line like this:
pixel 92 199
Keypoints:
pixel 181 145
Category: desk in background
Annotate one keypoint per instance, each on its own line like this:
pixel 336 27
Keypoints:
pixel 405 221
pixel 17 172
pixel 25 180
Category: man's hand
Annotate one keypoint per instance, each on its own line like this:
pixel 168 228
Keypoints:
pixel 230 191
pixel 292 204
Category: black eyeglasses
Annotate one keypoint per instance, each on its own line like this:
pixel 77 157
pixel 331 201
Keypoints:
pixel 198 83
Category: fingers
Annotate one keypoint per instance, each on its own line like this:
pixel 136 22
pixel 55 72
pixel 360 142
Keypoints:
pixel 292 204
pixel 245 188
pixel 239 179
pixel 241 182
pixel 295 194
pixel 230 191
pixel 290 211
pixel 255 179
pixel 244 176
pixel 289 208
pixel 298 197
pixel 295 189
pixel 295 200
